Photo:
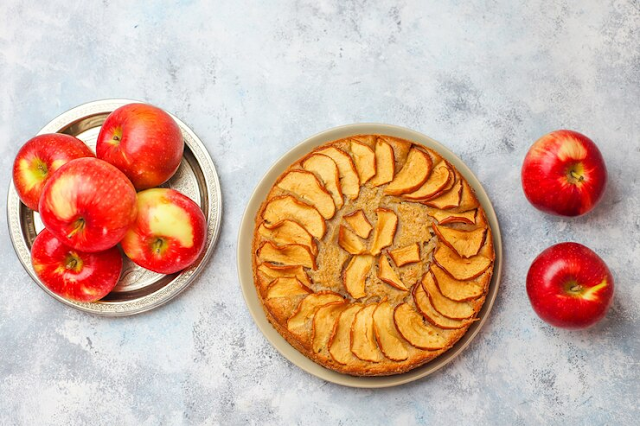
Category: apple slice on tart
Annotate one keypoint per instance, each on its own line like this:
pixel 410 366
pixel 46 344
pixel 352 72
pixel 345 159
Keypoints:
pixel 350 241
pixel 287 232
pixel 286 287
pixel 326 169
pixel 424 306
pixel 306 186
pixel 300 322
pixel 287 207
pixel 389 340
pixel 414 330
pixel 323 323
pixel 340 340
pixel 385 164
pixel 460 291
pixel 440 180
pixel 272 271
pixel 406 255
pixel 446 307
pixel 449 199
pixel 385 230
pixel 460 268
pixel 356 273
pixel 363 341
pixel 465 243
pixel 349 180
pixel 365 161
pixel 468 200
pixel 445 217
pixel 388 275
pixel 359 223
pixel 290 254
pixel 414 173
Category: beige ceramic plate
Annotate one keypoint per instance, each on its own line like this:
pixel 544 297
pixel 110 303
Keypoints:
pixel 245 269
pixel 138 290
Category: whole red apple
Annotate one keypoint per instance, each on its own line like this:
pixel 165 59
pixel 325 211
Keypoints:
pixel 564 174
pixel 72 274
pixel 88 204
pixel 169 232
pixel 144 142
pixel 570 286
pixel 39 158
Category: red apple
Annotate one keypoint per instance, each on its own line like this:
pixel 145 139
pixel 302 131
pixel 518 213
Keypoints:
pixel 570 286
pixel 88 204
pixel 72 274
pixel 39 158
pixel 144 142
pixel 564 174
pixel 169 232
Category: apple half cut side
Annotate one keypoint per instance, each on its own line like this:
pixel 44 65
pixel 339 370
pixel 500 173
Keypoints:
pixel 287 207
pixel 424 306
pixel 389 340
pixel 349 180
pixel 412 175
pixel 300 322
pixel 306 186
pixel 340 340
pixel 327 171
pixel 324 321
pixel 363 341
pixel 414 330
pixel 365 161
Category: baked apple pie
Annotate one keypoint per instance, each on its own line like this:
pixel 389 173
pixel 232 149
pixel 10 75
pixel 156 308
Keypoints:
pixel 372 255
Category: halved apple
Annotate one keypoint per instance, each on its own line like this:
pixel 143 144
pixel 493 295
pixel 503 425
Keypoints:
pixel 355 275
pixel 359 223
pixel 365 160
pixel 387 274
pixel 272 272
pixel 446 217
pixel 385 230
pixel 350 241
pixel 300 321
pixel 349 180
pixel 287 232
pixel 460 268
pixel 308 188
pixel 447 200
pixel 340 340
pixel 324 321
pixel 288 207
pixel 424 306
pixel 290 254
pixel 389 341
pixel 465 243
pixel 385 163
pixel 440 178
pixel 286 287
pixel 406 255
pixel 412 327
pixel 414 173
pixel 460 290
pixel 327 170
pixel 363 341
pixel 446 307
pixel 468 200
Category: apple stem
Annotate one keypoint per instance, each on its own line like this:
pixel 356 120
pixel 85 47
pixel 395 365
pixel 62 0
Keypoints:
pixel 158 245
pixel 576 176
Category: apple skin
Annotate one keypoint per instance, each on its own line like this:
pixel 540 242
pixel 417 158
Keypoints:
pixel 570 286
pixel 564 174
pixel 72 274
pixel 39 158
pixel 88 204
pixel 144 142
pixel 169 232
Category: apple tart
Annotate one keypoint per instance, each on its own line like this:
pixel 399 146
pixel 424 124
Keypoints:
pixel 372 255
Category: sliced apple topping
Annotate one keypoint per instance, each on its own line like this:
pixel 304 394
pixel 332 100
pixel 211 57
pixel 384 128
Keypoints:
pixel 440 178
pixel 385 230
pixel 307 187
pixel 340 340
pixel 287 232
pixel 412 327
pixel 447 200
pixel 363 340
pixel 350 241
pixel 290 254
pixel 385 163
pixel 286 287
pixel 447 307
pixel 327 170
pixel 460 290
pixel 389 341
pixel 414 173
pixel 349 180
pixel 406 255
pixel 468 199
pixel 300 322
pixel 355 275
pixel 425 307
pixel 365 160
pixel 273 272
pixel 359 223
pixel 387 274
pixel 288 207
pixel 446 217
pixel 487 249
pixel 460 268
pixel 465 243
pixel 324 321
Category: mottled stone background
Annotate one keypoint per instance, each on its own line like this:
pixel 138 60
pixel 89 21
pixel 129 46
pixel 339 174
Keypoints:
pixel 252 79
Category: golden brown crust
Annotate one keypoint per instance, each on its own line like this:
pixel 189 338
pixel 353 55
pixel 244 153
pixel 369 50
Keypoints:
pixel 415 218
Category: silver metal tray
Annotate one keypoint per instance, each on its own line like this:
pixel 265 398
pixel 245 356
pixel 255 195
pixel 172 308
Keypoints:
pixel 138 290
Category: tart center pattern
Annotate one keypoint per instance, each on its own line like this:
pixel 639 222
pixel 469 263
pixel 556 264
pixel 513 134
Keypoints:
pixel 372 255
